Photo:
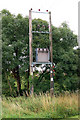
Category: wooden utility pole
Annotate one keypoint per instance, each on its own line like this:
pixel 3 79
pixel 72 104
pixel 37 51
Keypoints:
pixel 30 46
pixel 30 41
pixel 51 57
pixel 79 24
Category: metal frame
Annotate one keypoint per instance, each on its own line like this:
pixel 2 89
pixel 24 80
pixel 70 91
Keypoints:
pixel 40 12
pixel 40 32
pixel 51 52
pixel 38 63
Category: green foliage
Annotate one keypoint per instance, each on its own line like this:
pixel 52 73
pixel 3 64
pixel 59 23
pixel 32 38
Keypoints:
pixel 15 44
pixel 15 47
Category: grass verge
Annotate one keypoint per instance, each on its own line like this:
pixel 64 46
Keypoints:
pixel 41 106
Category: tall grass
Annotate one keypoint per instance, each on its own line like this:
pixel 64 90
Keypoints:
pixel 41 106
pixel 0 107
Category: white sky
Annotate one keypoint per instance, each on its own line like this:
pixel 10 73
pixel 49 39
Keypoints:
pixel 61 10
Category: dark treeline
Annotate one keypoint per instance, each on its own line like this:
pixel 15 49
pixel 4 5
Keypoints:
pixel 15 56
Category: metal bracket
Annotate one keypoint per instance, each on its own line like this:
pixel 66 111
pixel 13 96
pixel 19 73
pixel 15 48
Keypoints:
pixel 40 32
pixel 48 63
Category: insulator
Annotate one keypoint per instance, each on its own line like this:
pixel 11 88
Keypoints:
pixel 41 49
pixel 44 49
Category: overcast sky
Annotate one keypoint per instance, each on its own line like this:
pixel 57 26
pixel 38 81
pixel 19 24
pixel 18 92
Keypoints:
pixel 61 10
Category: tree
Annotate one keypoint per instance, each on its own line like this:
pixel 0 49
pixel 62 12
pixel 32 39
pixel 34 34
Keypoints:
pixel 65 58
pixel 15 46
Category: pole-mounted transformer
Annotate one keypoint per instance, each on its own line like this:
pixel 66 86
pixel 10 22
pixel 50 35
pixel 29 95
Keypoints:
pixel 43 55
